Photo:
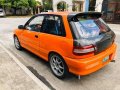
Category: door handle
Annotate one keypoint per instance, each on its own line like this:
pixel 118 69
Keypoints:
pixel 36 36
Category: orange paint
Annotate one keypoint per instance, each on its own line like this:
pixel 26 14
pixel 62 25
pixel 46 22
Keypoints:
pixel 46 43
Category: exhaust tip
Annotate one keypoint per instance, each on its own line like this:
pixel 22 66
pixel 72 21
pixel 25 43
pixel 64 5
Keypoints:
pixel 113 61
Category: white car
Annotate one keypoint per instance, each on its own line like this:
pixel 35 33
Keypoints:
pixel 2 13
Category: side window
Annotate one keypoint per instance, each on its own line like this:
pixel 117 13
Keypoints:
pixel 53 25
pixel 35 24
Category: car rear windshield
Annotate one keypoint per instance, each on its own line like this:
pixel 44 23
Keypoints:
pixel 90 27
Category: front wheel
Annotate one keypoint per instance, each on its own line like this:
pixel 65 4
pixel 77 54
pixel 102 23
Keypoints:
pixel 17 43
pixel 58 66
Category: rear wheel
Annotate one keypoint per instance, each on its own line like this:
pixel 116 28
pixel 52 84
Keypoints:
pixel 58 66
pixel 17 43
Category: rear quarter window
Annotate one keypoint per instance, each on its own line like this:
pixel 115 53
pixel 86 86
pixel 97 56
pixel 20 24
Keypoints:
pixel 53 25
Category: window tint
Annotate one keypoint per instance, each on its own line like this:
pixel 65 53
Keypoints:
pixel 53 25
pixel 35 24
pixel 90 27
pixel 87 28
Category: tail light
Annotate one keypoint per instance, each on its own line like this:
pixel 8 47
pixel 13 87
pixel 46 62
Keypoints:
pixel 78 50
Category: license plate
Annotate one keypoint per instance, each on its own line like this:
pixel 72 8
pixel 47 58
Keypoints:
pixel 105 59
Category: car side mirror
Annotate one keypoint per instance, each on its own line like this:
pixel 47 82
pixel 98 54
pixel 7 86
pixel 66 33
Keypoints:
pixel 21 27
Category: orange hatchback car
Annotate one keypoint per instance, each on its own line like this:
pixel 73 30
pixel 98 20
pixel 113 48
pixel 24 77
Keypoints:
pixel 79 43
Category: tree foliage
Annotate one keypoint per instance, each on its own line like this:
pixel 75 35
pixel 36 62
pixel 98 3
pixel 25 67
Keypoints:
pixel 32 3
pixel 22 4
pixel 2 2
pixel 19 3
pixel 62 6
pixel 47 4
pixel 5 3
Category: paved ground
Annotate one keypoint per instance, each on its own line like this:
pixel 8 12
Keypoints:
pixel 15 76
pixel 108 78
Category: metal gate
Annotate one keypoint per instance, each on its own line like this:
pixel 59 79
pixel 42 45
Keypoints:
pixel 111 11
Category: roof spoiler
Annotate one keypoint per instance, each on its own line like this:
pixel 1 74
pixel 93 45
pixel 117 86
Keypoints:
pixel 92 14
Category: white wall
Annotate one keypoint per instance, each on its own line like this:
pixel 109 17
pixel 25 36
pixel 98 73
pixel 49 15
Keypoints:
pixel 39 0
pixel 98 6
pixel 69 2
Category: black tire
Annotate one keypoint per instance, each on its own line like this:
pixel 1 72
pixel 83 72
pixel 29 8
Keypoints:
pixel 60 70
pixel 17 43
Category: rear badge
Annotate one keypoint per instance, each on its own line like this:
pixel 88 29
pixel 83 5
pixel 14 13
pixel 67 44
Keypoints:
pixel 105 59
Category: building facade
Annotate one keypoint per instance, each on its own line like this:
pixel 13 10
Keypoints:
pixel 69 5
pixel 109 8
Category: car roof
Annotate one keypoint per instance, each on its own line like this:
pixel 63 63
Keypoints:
pixel 56 13
pixel 70 15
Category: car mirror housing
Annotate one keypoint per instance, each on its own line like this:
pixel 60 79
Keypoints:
pixel 20 27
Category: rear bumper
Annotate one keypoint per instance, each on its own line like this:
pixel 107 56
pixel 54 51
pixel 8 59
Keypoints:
pixel 92 64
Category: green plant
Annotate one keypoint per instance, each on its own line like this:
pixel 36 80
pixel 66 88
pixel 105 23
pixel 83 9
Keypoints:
pixel 47 5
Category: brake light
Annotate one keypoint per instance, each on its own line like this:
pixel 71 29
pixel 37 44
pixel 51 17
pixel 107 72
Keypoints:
pixel 83 50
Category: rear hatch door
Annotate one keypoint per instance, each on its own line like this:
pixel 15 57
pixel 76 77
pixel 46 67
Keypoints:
pixel 90 29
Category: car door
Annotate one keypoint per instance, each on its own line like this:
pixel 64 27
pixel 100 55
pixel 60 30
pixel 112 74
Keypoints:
pixel 52 34
pixel 30 37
